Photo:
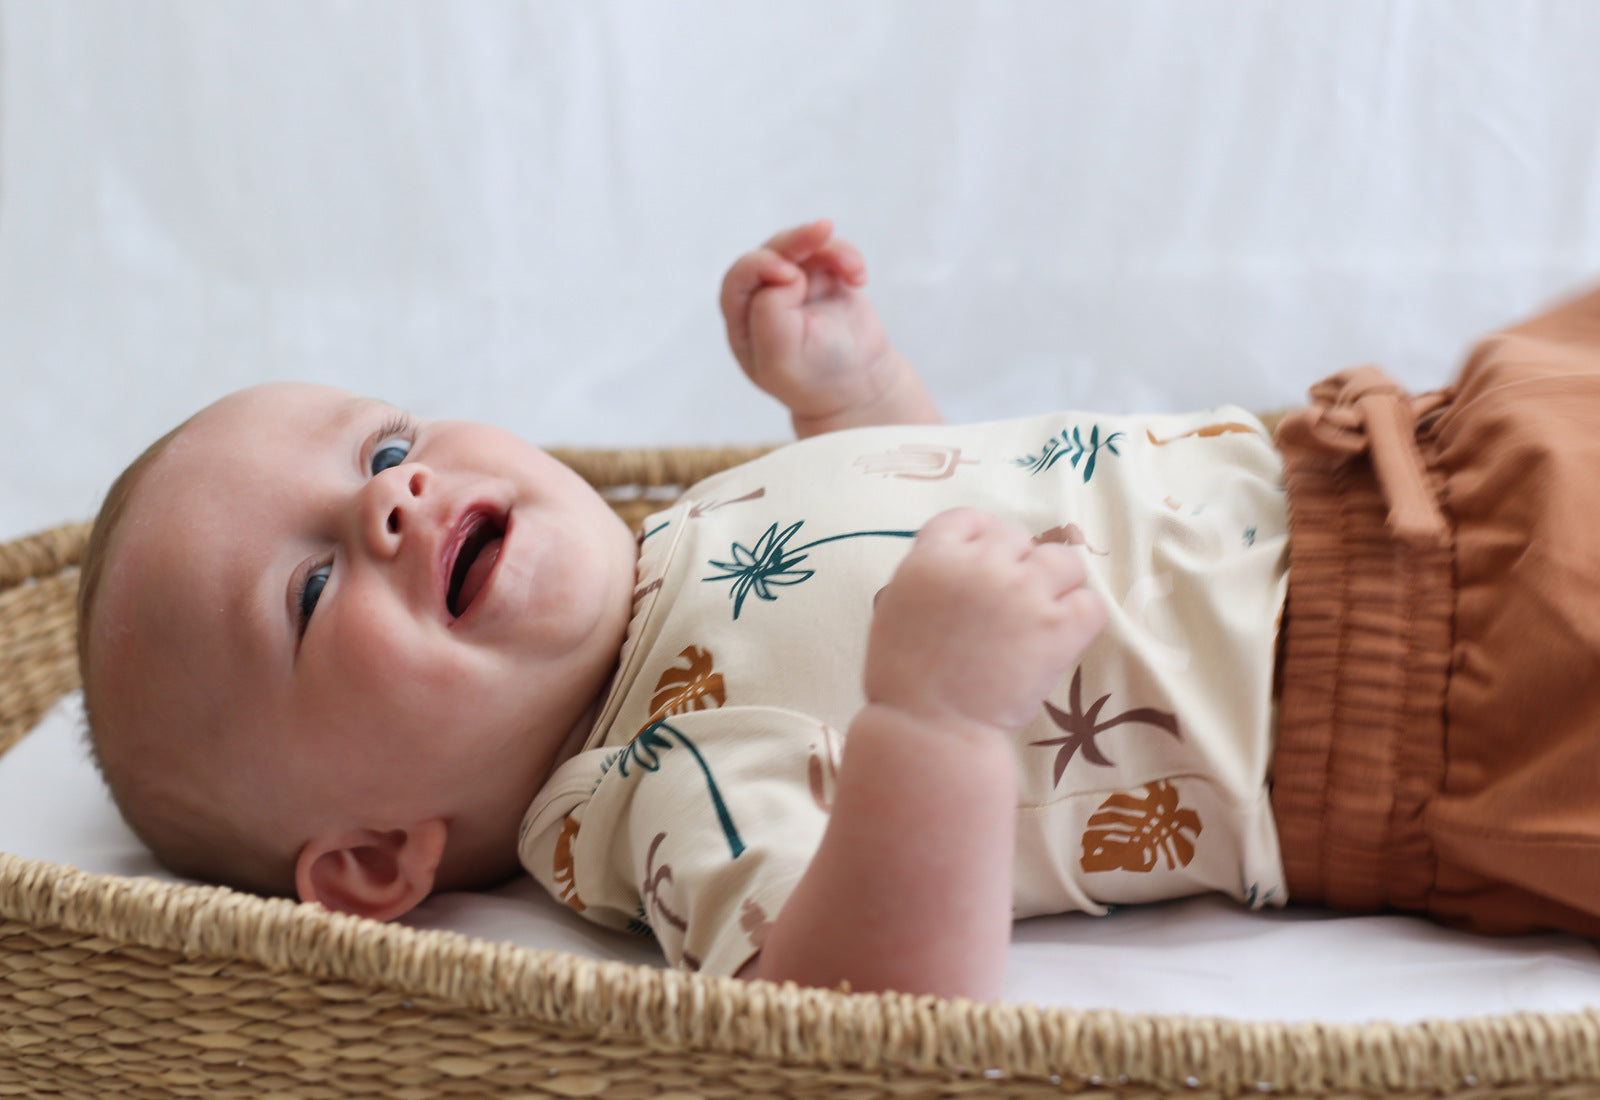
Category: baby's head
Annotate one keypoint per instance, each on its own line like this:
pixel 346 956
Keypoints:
pixel 332 651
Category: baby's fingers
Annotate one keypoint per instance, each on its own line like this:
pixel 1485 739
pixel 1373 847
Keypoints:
pixel 1060 568
pixel 843 259
pixel 750 273
pixel 800 243
pixel 957 525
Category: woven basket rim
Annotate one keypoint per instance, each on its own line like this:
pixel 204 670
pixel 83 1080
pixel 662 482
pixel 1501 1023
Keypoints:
pixel 675 1011
pixel 668 1009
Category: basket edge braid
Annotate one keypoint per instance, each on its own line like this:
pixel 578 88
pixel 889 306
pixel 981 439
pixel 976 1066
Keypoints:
pixel 674 1011
pixel 42 554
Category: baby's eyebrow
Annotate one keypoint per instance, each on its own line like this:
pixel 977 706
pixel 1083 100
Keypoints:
pixel 348 411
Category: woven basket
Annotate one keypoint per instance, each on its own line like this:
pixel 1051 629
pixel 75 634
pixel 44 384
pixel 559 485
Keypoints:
pixel 112 986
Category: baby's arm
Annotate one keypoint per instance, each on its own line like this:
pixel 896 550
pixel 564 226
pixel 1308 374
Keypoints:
pixel 910 888
pixel 804 332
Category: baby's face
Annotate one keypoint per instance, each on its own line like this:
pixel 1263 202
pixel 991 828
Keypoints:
pixel 393 619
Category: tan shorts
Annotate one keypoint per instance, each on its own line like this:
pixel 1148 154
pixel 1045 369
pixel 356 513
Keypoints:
pixel 1439 730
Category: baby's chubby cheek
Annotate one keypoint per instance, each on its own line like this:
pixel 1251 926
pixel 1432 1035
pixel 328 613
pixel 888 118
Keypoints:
pixel 375 663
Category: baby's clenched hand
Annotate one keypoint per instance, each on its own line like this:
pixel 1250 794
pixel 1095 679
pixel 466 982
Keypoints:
pixel 978 623
pixel 801 327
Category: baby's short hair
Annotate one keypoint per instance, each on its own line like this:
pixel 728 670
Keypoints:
pixel 186 831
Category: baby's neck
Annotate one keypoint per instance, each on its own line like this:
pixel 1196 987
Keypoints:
pixel 572 744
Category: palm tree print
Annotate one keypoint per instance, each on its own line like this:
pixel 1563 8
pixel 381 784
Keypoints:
pixel 1082 727
pixel 1071 443
pixel 773 563
pixel 645 751
pixel 1254 898
pixel 650 890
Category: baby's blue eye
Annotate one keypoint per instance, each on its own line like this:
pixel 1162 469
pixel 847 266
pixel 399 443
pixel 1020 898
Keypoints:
pixel 390 455
pixel 311 592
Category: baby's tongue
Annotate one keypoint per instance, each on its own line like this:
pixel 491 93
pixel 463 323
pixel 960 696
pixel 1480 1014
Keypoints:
pixel 478 573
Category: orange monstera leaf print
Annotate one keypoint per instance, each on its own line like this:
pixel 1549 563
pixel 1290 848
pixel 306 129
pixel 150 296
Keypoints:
pixel 1129 830
pixel 1210 431
pixel 695 686
pixel 562 869
pixel 1071 535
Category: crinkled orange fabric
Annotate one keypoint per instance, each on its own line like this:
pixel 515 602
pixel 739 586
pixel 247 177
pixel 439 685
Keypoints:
pixel 1439 729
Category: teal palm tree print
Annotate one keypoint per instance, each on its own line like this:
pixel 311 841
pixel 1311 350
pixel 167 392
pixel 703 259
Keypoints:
pixel 1255 899
pixel 1071 444
pixel 645 750
pixel 773 563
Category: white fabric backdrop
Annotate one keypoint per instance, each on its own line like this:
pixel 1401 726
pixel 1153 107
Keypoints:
pixel 519 212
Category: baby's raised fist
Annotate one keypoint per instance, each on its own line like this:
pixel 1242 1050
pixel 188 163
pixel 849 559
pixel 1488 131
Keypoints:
pixel 800 326
pixel 978 623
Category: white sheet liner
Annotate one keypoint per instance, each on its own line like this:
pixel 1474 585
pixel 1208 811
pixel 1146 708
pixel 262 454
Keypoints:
pixel 1199 957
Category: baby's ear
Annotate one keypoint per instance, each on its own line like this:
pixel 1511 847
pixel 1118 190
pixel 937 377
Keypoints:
pixel 374 874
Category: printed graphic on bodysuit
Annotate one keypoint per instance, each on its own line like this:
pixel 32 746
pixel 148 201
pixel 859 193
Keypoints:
pixel 699 508
pixel 1082 727
pixel 650 890
pixel 773 563
pixel 695 687
pixel 1210 431
pixel 1254 898
pixel 645 750
pixel 1071 444
pixel 916 462
pixel 1071 535
pixel 753 921
pixel 1130 829
pixel 644 590
pixel 822 770
pixel 562 870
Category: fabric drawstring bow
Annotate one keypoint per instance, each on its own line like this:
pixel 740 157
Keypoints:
pixel 1365 410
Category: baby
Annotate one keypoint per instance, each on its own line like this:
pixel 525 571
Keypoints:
pixel 825 720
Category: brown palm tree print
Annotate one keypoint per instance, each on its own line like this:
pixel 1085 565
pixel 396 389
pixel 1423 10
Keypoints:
pixel 1082 727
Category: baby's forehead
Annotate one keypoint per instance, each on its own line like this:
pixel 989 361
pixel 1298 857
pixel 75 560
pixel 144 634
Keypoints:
pixel 286 410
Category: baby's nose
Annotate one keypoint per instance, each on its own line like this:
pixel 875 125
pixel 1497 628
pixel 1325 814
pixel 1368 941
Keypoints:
pixel 416 484
pixel 390 506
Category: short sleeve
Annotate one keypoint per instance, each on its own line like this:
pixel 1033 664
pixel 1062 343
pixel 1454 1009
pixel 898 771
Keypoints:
pixel 698 828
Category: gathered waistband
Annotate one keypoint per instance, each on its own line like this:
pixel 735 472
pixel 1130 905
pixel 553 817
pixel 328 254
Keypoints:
pixel 1366 646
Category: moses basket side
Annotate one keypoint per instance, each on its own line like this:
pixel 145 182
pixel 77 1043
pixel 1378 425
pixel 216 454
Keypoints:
pixel 114 986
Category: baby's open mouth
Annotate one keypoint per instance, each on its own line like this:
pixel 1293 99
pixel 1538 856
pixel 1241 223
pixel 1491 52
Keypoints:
pixel 479 550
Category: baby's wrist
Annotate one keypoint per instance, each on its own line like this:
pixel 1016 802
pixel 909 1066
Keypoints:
pixel 923 722
pixel 900 398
